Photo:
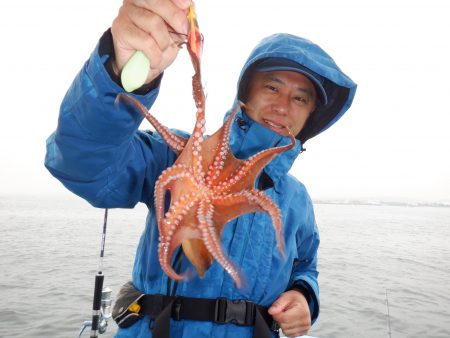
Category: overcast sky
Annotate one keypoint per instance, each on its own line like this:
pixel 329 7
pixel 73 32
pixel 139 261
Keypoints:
pixel 392 144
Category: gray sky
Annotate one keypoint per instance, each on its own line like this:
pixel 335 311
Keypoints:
pixel 392 144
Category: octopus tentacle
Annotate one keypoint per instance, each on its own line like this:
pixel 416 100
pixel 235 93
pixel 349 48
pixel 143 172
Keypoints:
pixel 211 240
pixel 267 155
pixel 173 232
pixel 176 213
pixel 267 205
pixel 251 168
pixel 163 253
pixel 166 249
pixel 197 140
pixel 247 201
pixel 222 151
pixel 174 141
pixel 169 175
pixel 194 47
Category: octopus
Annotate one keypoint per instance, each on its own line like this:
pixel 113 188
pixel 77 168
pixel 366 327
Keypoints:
pixel 208 186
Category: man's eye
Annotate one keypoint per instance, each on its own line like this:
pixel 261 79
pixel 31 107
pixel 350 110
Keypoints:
pixel 271 88
pixel 301 99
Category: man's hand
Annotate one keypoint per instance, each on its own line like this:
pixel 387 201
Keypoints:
pixel 151 26
pixel 291 312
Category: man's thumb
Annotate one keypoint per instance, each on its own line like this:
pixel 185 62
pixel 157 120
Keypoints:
pixel 276 308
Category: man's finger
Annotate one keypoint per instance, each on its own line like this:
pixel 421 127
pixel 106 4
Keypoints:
pixel 152 23
pixel 173 15
pixel 183 4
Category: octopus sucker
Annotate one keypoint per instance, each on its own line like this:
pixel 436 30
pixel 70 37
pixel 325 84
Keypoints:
pixel 208 185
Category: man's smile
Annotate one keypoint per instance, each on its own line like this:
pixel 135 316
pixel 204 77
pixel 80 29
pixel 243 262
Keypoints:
pixel 275 126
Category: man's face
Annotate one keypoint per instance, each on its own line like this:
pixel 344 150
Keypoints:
pixel 280 100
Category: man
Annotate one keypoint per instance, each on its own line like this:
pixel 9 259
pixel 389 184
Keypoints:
pixel 98 153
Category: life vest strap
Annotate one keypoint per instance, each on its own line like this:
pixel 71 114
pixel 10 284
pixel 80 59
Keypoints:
pixel 218 310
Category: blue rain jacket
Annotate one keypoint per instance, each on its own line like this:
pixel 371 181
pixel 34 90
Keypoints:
pixel 98 153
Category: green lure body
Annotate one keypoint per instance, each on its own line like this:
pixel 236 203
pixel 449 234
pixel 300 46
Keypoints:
pixel 135 71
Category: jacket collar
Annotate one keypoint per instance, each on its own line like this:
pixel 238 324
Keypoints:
pixel 249 137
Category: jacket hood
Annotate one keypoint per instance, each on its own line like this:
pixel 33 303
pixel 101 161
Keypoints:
pixel 340 89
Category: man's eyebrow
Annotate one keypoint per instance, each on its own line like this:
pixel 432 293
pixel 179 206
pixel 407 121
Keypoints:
pixel 274 78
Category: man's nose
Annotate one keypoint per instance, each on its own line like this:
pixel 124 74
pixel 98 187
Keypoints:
pixel 281 105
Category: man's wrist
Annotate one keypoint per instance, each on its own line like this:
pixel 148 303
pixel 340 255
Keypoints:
pixel 303 290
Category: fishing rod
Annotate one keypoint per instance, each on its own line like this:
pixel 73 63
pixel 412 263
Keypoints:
pixel 388 315
pixel 101 305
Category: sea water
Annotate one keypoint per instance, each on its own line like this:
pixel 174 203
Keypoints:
pixel 384 270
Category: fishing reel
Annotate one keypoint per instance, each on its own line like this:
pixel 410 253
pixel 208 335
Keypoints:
pixel 104 314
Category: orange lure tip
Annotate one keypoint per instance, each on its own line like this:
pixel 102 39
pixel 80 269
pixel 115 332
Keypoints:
pixel 194 36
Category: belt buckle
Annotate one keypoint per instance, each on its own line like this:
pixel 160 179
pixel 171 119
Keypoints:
pixel 239 312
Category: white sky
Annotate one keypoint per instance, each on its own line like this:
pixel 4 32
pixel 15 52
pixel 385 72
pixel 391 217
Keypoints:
pixel 392 144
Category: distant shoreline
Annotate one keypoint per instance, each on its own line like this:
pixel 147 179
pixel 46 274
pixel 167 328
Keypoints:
pixel 337 201
pixel 384 203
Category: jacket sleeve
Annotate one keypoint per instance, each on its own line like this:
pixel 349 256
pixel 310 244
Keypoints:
pixel 304 273
pixel 97 151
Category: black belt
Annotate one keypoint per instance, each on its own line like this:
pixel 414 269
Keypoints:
pixel 218 310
